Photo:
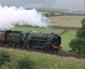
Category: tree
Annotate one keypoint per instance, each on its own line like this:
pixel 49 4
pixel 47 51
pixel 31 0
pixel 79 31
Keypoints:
pixel 78 44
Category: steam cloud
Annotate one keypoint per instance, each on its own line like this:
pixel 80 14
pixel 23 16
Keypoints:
pixel 10 16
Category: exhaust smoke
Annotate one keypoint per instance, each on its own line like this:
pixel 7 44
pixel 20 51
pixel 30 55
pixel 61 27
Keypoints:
pixel 11 16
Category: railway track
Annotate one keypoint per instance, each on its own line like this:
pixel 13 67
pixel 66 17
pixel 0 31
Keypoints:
pixel 61 53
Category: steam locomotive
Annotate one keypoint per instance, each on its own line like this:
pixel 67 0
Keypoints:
pixel 31 39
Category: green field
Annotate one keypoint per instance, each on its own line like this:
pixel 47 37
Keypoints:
pixel 46 30
pixel 40 61
pixel 66 38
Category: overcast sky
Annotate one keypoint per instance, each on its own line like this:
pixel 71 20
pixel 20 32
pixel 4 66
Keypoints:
pixel 68 4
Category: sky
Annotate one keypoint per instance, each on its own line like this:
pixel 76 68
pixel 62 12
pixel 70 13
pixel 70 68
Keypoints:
pixel 68 4
pixel 71 4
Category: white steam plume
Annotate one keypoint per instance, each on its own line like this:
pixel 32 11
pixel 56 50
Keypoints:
pixel 10 16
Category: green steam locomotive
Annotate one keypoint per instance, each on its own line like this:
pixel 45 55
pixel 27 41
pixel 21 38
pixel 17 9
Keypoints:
pixel 31 39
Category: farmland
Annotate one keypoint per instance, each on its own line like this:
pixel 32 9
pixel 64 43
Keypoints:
pixel 66 21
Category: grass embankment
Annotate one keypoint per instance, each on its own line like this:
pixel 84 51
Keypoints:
pixel 40 61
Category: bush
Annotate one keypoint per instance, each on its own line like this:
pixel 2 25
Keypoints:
pixel 83 23
pixel 78 44
pixel 4 57
pixel 81 33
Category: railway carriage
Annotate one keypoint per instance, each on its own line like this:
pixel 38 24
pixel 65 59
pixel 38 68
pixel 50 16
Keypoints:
pixel 2 37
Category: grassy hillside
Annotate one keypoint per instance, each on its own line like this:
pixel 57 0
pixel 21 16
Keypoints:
pixel 66 39
pixel 40 61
